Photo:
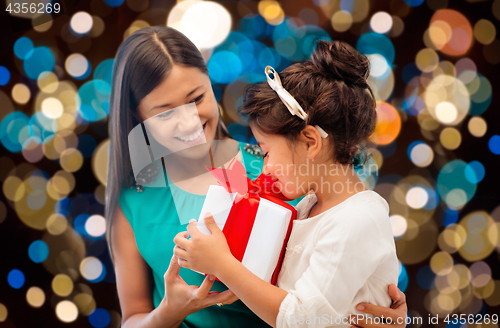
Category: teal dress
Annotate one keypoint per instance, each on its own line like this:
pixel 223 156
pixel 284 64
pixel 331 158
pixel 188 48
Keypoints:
pixel 155 222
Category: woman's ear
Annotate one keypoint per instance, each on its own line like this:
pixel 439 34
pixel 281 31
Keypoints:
pixel 311 137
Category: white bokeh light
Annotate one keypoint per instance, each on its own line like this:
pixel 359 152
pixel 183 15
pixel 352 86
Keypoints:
pixel 81 22
pixel 95 225
pixel 378 65
pixel 381 22
pixel 417 197
pixel 399 225
pixel 52 108
pixel 66 311
pixel 205 23
pixel 91 268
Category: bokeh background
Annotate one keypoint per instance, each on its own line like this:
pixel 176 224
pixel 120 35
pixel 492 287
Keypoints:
pixel 437 142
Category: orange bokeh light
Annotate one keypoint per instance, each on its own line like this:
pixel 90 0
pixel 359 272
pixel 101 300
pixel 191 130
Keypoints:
pixel 459 41
pixel 388 124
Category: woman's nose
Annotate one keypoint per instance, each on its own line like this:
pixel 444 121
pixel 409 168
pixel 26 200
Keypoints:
pixel 189 119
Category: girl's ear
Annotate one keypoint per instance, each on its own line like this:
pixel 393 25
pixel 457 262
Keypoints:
pixel 311 137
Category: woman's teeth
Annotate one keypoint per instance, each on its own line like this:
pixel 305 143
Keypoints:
pixel 193 136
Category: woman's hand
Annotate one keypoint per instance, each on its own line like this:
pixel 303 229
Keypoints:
pixel 204 253
pixel 183 299
pixel 396 314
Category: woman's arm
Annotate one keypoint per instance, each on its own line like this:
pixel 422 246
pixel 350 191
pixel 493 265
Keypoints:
pixel 133 280
pixel 397 312
pixel 229 270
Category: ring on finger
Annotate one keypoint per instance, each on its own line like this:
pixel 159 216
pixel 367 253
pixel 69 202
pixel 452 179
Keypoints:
pixel 220 304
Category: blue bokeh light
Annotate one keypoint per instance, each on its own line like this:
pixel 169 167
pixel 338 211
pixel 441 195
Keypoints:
pixel 474 172
pixel 4 75
pixel 99 318
pixel 14 131
pixel 93 100
pixel 224 67
pixel 38 251
pixel 494 144
pixel 23 47
pixel 16 278
pixel 38 60
pixel 425 277
pixel 374 43
pixel 414 3
pixel 114 3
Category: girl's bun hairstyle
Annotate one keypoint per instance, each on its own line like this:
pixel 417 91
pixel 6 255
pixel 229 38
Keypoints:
pixel 331 86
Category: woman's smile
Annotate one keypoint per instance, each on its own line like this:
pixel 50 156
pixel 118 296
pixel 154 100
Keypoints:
pixel 194 137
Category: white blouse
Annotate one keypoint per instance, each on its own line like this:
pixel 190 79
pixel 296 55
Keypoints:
pixel 337 259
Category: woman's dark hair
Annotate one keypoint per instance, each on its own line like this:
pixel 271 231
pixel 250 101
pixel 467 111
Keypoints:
pixel 331 87
pixel 142 62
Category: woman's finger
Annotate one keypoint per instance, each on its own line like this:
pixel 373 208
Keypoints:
pixel 173 269
pixel 226 297
pixel 202 291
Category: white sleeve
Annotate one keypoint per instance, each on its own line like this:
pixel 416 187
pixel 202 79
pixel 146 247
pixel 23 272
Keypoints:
pixel 348 249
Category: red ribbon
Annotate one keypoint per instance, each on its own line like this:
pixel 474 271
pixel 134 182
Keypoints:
pixel 241 218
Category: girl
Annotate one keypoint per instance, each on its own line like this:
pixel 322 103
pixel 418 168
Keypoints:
pixel 341 250
pixel 157 69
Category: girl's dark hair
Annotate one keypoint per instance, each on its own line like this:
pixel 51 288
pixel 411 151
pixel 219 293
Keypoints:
pixel 142 62
pixel 331 87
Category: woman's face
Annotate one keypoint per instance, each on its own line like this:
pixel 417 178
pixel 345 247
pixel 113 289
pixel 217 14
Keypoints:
pixel 181 112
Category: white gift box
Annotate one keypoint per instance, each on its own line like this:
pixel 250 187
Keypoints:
pixel 267 236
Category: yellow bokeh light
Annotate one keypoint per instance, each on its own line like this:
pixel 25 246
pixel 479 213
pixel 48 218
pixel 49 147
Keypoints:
pixel 85 303
pixel 441 263
pixel 56 224
pixel 3 313
pixel 71 160
pixel 427 60
pixel 35 297
pixel 62 285
pixel 21 93
pixel 477 126
pixel 439 33
pixel 13 188
pixel 100 161
pixel 271 11
pixel 450 138
pixel 341 21
pixel 484 31
pixel 48 82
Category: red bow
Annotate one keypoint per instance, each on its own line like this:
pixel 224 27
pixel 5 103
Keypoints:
pixel 241 218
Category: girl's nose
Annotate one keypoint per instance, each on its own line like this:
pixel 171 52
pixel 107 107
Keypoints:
pixel 265 169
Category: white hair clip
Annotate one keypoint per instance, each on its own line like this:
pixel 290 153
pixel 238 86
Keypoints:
pixel 274 81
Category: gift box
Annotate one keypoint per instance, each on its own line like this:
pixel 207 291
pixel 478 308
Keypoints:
pixel 254 218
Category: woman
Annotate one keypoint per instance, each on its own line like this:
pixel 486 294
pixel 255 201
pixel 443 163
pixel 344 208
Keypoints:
pixel 157 69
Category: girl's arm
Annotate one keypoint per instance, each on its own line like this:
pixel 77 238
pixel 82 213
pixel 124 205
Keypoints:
pixel 259 296
pixel 133 280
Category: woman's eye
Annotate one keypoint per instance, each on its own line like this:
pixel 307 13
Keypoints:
pixel 164 115
pixel 199 98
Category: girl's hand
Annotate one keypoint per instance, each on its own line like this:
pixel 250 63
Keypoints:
pixel 396 314
pixel 182 299
pixel 204 253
